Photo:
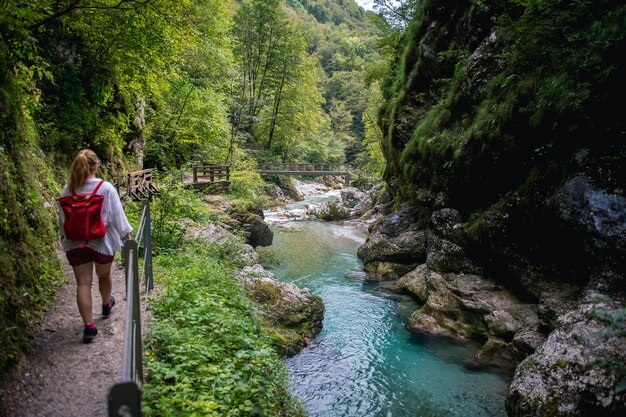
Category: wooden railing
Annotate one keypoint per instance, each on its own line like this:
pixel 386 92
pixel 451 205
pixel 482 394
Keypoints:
pixel 305 169
pixel 141 185
pixel 211 174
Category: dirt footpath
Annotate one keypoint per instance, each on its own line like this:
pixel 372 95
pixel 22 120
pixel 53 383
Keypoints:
pixel 62 377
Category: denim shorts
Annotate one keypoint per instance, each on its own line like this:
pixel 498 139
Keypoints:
pixel 84 255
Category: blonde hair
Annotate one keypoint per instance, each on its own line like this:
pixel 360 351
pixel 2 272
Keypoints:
pixel 86 162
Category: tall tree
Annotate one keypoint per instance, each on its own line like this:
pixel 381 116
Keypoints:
pixel 259 31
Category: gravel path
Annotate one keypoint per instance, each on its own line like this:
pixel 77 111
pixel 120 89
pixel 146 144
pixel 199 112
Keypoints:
pixel 61 376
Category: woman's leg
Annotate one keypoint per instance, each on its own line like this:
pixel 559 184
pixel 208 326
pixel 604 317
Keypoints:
pixel 84 277
pixel 105 282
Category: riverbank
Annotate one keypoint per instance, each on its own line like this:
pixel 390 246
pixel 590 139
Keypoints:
pixel 365 361
pixel 220 320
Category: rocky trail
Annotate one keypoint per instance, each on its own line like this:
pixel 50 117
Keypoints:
pixel 61 376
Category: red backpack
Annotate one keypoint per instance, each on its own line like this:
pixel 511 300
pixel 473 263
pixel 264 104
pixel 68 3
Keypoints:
pixel 83 216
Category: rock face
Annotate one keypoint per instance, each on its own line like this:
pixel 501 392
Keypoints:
pixel 510 165
pixel 293 315
pixel 578 371
pixel 540 323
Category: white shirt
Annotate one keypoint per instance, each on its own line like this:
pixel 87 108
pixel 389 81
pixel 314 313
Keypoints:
pixel 113 217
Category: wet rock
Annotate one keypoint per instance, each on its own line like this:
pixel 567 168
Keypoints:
pixel 423 323
pixel 254 229
pixel 407 247
pixel 564 377
pixel 469 306
pixel 385 271
pixel 294 315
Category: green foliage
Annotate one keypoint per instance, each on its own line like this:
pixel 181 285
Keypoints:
pixel 554 66
pixel 246 182
pixel 29 267
pixel 337 12
pixel 171 212
pixel 207 353
pixel 302 71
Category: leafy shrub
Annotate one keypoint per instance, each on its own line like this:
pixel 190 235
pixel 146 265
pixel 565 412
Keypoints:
pixel 206 352
pixel 171 212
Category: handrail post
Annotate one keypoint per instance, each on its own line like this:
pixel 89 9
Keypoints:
pixel 124 398
pixel 147 239
pixel 132 367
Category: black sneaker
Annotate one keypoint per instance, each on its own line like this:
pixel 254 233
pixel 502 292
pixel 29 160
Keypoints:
pixel 89 333
pixel 106 311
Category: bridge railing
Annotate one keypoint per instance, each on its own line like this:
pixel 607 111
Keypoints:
pixel 124 398
pixel 304 167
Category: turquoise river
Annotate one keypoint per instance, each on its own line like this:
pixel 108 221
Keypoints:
pixel 364 362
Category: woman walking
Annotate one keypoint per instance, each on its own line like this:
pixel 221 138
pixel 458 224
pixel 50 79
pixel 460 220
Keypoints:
pixel 84 254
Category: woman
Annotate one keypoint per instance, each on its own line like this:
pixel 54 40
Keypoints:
pixel 100 252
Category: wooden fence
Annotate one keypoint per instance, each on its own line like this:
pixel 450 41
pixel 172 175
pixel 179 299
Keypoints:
pixel 211 174
pixel 138 185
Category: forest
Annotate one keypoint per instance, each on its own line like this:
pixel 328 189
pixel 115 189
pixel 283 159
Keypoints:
pixel 164 84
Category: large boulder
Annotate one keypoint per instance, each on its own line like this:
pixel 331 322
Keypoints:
pixel 472 307
pixel 292 315
pixel 254 229
pixel 236 249
pixel 330 211
pixel 395 238
pixel 275 193
pixel 289 186
pixel 579 371
pixel 404 248
pixel 351 204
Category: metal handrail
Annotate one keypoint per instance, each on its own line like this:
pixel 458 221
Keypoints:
pixel 125 396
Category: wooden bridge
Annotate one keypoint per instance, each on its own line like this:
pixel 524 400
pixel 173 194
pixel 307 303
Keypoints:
pixel 312 170
pixel 140 185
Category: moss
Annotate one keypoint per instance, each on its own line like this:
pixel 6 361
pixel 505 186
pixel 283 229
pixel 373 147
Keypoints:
pixel 28 239
pixel 561 363
pixel 557 69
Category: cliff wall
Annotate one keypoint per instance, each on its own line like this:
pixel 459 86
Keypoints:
pixel 504 137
